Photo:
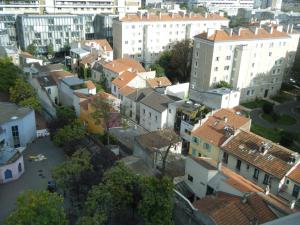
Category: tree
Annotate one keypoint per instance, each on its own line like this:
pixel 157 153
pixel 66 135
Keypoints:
pixel 38 207
pixel 286 139
pixel 66 113
pixel 50 49
pixel 69 134
pixel 32 49
pixel 8 74
pixel 268 108
pixel 22 93
pixel 160 72
pixel 103 114
pixel 199 9
pixel 155 195
pixel 66 49
pixel 223 84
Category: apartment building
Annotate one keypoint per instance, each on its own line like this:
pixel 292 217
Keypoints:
pixel 8 35
pixel 253 60
pixel 68 6
pixel 229 6
pixel 263 162
pixel 60 30
pixel 143 36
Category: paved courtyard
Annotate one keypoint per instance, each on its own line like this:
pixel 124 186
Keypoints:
pixel 36 174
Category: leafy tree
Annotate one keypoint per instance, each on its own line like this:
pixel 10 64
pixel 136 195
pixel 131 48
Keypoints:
pixel 8 74
pixel 223 84
pixel 268 108
pixel 183 6
pixel 69 133
pixel 32 49
pixel 286 139
pixel 66 49
pixel 50 49
pixel 156 194
pixel 22 93
pixel 199 10
pixel 66 113
pixel 165 60
pixel 160 72
pixel 38 208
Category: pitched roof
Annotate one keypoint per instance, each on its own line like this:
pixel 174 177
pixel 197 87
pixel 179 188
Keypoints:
pixel 295 174
pixel 170 17
pixel 157 101
pixel 208 163
pixel 226 209
pixel 139 94
pixel 212 130
pixel 10 111
pixel 56 75
pixel 102 42
pixel 245 145
pixel 159 82
pixel 46 81
pixel 90 85
pixel 123 79
pixel 91 98
pixel 88 59
pixel 120 65
pixel 245 34
pixel 126 90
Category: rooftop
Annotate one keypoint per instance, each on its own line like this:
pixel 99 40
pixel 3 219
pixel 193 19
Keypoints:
pixel 213 130
pixel 159 82
pixel 295 174
pixel 275 160
pixel 170 17
pixel 88 59
pixel 90 85
pixel 46 81
pixel 157 101
pixel 243 34
pixel 56 75
pixel 79 51
pixel 226 209
pixel 139 94
pixel 10 49
pixel 72 81
pixel 126 90
pixel 123 79
pixel 10 111
pixel 102 42
pixel 121 65
pixel 220 91
pixel 8 155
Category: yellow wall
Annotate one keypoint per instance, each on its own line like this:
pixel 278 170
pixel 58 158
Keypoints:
pixel 196 148
pixel 91 126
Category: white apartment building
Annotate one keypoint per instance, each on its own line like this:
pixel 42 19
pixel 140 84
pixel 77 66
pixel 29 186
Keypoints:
pixel 230 6
pixel 254 61
pixel 143 36
pixel 68 6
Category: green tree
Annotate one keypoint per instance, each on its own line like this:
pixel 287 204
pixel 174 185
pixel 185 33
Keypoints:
pixel 223 84
pixel 70 133
pixel 50 49
pixel 38 208
pixel 66 113
pixel 268 108
pixel 22 93
pixel 32 49
pixel 8 74
pixel 66 49
pixel 160 72
pixel 199 9
pixel 156 194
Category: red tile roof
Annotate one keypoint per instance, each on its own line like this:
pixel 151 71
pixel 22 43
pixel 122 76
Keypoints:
pixel 90 85
pixel 120 65
pixel 295 174
pixel 159 82
pixel 126 90
pixel 102 42
pixel 123 79
pixel 212 130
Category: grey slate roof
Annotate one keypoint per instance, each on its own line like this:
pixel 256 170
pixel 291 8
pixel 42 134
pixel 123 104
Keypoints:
pixel 10 111
pixel 157 101
pixel 46 81
pixel 8 155
pixel 71 81
pixel 139 94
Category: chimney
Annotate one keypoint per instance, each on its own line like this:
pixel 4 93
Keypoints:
pixel 267 190
pixel 225 119
pixel 239 32
pixel 172 15
pixel 219 166
pixel 221 13
pixel 140 14
pixel 292 204
pixel 182 14
pixel 159 83
pixel 231 32
pixel 271 29
pixel 147 15
pixel 206 14
pixel 159 15
pixel 190 15
pixel 280 28
pixel 291 28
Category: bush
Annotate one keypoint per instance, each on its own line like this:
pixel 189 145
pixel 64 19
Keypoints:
pixel 275 117
pixel 286 139
pixel 268 108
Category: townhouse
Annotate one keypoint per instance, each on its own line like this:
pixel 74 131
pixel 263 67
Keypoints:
pixel 139 35
pixel 235 56
pixel 212 131
pixel 263 162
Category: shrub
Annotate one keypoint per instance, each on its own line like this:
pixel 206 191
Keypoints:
pixel 275 117
pixel 268 108
pixel 286 139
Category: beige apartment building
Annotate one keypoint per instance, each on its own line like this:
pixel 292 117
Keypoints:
pixel 254 61
pixel 143 35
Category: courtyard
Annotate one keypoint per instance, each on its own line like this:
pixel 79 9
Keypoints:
pixel 36 176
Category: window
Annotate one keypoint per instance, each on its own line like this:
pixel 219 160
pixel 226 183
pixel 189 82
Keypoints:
pixel 226 67
pixel 206 146
pixel 270 53
pixel 228 57
pixel 216 69
pixel 287 181
pixel 8 174
pixel 126 42
pixel 266 179
pixel 194 152
pixel 115 89
pixel 20 167
pixel 150 114
pixel 248 92
pixel 253 64
pixel 296 190
pixel 217 58
pixel 144 111
pixel 248 167
pixel 49 91
pixel 15 134
pixel 195 140
pixel 238 165
pixel 225 157
pixel 190 178
pixel 187 131
pixel 155 118
pixel 256 173
pixel 170 111
pixel 197 54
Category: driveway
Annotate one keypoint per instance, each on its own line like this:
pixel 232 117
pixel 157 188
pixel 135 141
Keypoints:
pixel 284 108
pixel 36 174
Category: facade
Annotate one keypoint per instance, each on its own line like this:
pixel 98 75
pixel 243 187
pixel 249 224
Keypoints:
pixel 60 30
pixel 235 56
pixel 17 125
pixel 8 36
pixel 11 52
pixel 214 130
pixel 103 26
pixel 20 7
pixel 138 35
pixel 262 162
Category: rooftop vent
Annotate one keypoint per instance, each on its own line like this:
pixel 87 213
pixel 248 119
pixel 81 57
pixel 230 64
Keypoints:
pixel 264 147
pixel 229 131
pixel 292 159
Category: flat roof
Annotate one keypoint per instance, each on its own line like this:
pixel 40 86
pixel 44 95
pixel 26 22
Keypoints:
pixel 71 81
pixel 10 111
pixel 8 155
pixel 79 51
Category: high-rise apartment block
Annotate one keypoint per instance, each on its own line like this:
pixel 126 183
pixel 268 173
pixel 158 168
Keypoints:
pixel 253 60
pixel 60 30
pixel 8 35
pixel 143 36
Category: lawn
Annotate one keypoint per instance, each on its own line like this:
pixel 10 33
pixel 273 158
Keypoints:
pixel 254 104
pixel 281 120
pixel 282 97
pixel 297 110
pixel 269 133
